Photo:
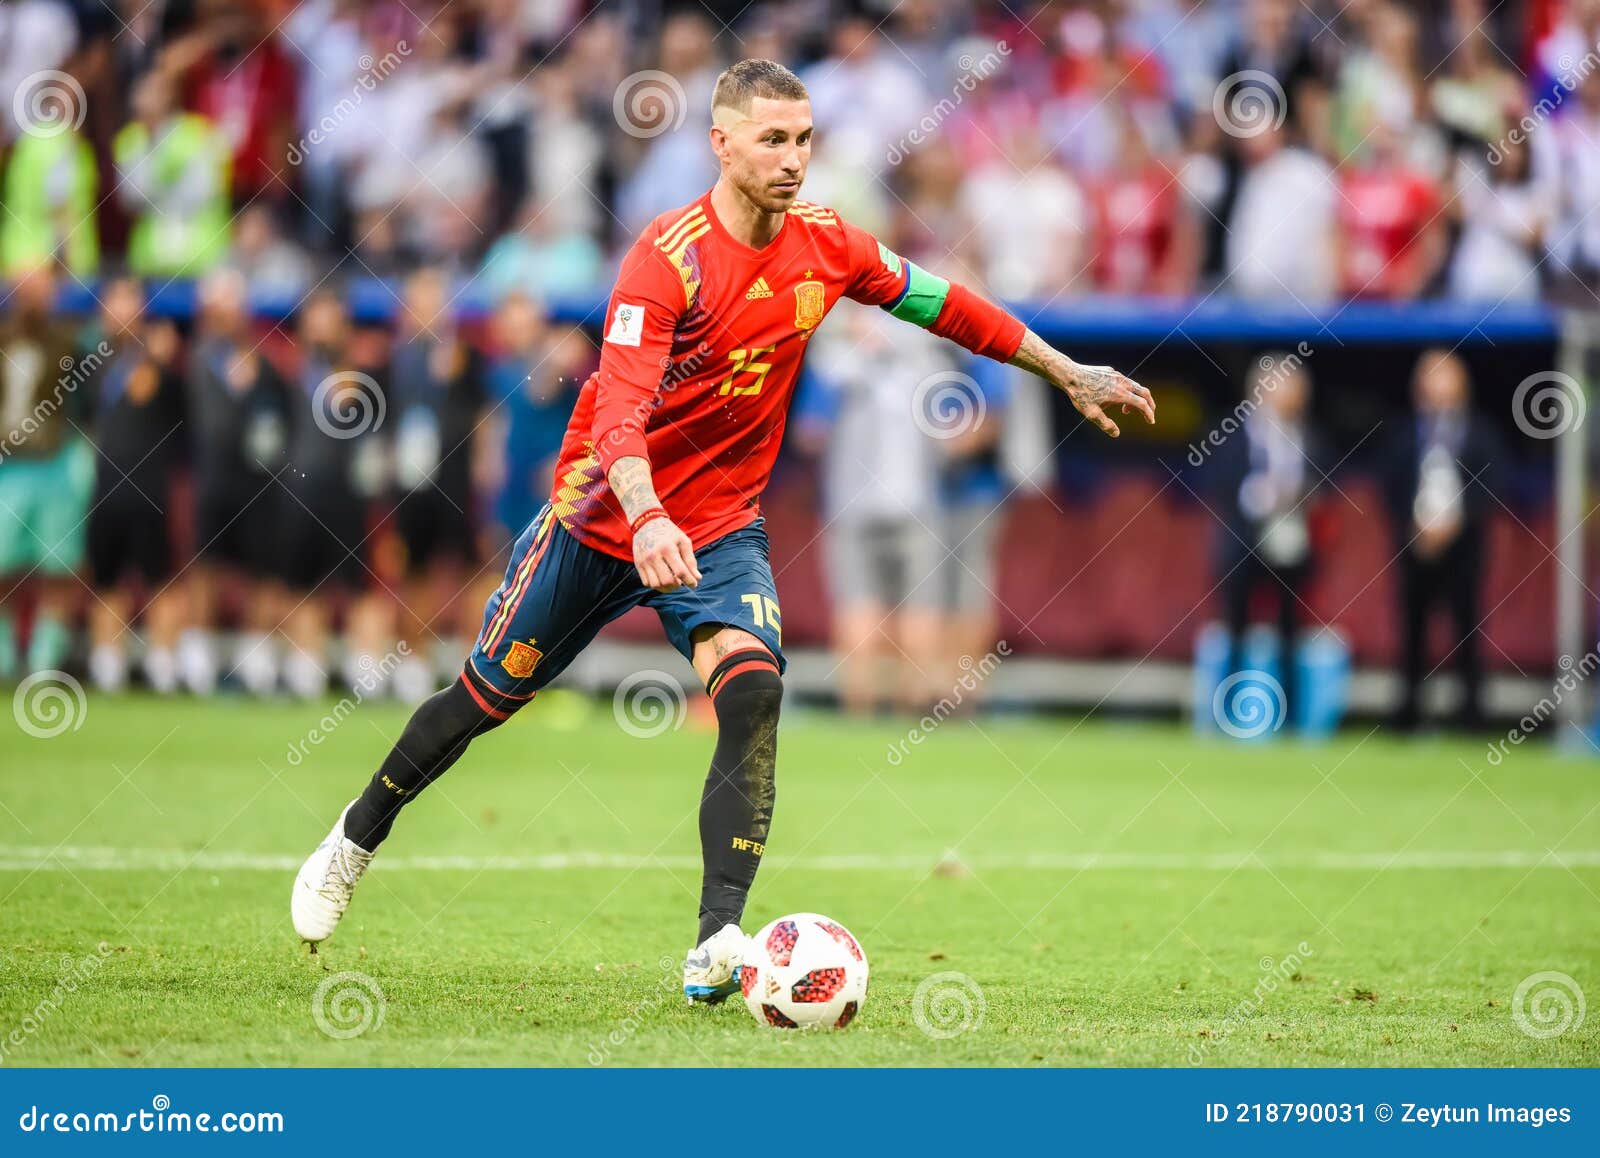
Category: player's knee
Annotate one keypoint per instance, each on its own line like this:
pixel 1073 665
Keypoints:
pixel 747 691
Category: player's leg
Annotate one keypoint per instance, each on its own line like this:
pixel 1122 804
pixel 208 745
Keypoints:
pixel 730 629
pixel 556 595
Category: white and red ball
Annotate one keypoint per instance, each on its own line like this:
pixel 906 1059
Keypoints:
pixel 804 971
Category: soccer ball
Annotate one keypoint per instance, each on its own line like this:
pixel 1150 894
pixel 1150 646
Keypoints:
pixel 804 971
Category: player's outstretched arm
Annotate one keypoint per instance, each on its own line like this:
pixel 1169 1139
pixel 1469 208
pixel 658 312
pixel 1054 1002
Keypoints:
pixel 662 553
pixel 882 278
pixel 1093 389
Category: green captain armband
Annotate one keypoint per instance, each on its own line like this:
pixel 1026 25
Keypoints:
pixel 922 298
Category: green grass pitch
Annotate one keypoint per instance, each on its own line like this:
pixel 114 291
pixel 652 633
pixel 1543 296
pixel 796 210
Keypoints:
pixel 1105 893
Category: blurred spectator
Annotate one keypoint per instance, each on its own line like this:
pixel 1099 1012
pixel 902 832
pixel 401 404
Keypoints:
pixel 136 401
pixel 540 261
pixel 972 494
pixel 234 73
pixel 880 502
pixel 35 36
pixel 449 189
pixel 1280 235
pixel 238 426
pixel 1391 235
pixel 1575 236
pixel 438 400
pixel 277 268
pixel 1440 484
pixel 1145 240
pixel 1380 84
pixel 1472 99
pixel 534 382
pixel 1273 44
pixel 865 96
pixel 173 178
pixel 1031 221
pixel 1192 38
pixel 1263 478
pixel 46 473
pixel 334 470
pixel 1505 216
pixel 676 166
pixel 51 187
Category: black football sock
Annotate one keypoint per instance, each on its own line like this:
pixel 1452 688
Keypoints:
pixel 435 736
pixel 736 807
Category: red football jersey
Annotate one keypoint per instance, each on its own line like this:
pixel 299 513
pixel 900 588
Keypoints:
pixel 702 347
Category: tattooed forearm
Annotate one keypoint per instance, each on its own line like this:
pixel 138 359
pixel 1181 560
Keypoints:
pixel 630 482
pixel 1093 389
pixel 1036 356
pixel 1085 384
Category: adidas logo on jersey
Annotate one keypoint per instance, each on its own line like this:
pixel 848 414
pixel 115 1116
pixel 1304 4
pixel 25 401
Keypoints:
pixel 758 290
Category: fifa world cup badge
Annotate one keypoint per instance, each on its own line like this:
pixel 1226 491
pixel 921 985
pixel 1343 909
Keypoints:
pixel 522 659
pixel 808 305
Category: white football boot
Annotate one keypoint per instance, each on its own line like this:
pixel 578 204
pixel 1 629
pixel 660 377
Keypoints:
pixel 711 970
pixel 326 883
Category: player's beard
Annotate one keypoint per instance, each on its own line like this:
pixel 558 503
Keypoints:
pixel 760 192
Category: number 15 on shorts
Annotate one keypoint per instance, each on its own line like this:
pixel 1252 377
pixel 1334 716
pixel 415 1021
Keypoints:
pixel 765 610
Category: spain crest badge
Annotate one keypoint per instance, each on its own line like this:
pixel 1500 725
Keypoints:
pixel 809 305
pixel 522 659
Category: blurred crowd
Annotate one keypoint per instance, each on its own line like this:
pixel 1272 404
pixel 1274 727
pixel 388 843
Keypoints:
pixel 1364 148
pixel 286 479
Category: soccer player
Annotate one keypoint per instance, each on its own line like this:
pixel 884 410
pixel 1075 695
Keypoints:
pixel 656 498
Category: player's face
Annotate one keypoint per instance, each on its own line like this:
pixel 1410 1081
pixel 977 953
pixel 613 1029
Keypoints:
pixel 768 152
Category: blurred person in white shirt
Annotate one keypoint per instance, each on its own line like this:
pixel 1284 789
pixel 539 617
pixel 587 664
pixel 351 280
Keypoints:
pixel 1280 233
pixel 1505 216
pixel 880 504
pixel 1031 220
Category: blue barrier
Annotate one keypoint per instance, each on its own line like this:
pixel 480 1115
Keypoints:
pixel 1248 702
pixel 1135 320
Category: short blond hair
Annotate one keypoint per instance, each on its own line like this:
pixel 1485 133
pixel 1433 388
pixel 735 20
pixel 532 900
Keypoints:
pixel 742 83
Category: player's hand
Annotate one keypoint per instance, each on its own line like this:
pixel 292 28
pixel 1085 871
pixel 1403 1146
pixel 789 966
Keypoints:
pixel 664 556
pixel 1094 390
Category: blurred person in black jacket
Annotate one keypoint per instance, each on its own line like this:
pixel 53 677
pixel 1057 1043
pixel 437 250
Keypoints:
pixel 1263 478
pixel 238 424
pixel 335 470
pixel 1440 480
pixel 136 409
